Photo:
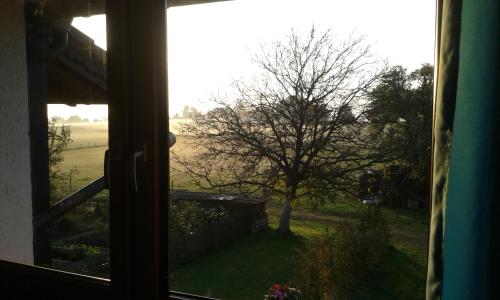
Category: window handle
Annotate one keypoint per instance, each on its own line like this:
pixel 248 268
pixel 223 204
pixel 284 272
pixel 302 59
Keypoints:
pixel 137 155
pixel 107 162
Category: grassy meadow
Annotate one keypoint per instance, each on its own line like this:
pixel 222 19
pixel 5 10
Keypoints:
pixel 246 269
pixel 86 153
pixel 83 159
pixel 88 135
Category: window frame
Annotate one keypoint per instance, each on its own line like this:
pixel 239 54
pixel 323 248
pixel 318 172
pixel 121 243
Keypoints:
pixel 137 100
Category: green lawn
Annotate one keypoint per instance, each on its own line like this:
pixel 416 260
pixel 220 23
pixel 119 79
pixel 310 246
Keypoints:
pixel 241 271
pixel 247 269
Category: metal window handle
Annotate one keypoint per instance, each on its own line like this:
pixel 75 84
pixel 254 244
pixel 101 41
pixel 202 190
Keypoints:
pixel 137 155
pixel 140 153
pixel 107 162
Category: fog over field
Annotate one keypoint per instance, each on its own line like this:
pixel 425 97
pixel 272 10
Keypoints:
pixel 90 140
pixel 174 124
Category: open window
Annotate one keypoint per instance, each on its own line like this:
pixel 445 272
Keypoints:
pixel 335 119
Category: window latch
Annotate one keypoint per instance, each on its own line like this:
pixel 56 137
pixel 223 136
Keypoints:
pixel 137 155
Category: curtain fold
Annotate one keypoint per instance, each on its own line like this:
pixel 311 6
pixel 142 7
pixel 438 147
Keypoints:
pixel 464 224
pixel 448 42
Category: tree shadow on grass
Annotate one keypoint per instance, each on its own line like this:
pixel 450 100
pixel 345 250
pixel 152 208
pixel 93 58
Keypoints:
pixel 397 276
pixel 241 271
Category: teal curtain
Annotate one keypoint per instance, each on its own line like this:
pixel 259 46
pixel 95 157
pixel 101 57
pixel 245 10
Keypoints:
pixel 464 231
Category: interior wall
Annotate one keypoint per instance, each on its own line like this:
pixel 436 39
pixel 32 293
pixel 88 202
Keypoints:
pixel 16 229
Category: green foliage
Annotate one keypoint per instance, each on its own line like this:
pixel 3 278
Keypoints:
pixel 66 225
pixel 335 264
pixel 190 218
pixel 396 186
pixel 372 236
pixel 67 252
pixel 400 113
pixel 58 137
pixel 73 252
pixel 84 218
pixel 315 268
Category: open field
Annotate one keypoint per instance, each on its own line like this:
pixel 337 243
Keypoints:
pixel 86 153
pixel 90 164
pixel 88 134
pixel 90 140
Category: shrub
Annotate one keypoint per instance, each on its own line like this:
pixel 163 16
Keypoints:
pixel 335 264
pixel 194 230
pixel 314 269
pixel 190 218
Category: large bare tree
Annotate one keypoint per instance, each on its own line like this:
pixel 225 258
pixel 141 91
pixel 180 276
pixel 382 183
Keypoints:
pixel 297 129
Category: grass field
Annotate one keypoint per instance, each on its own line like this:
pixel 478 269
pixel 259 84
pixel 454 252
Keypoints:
pixel 88 134
pixel 86 152
pixel 246 270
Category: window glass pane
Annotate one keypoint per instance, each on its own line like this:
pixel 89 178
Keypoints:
pixel 78 139
pixel 54 208
pixel 80 238
pixel 302 155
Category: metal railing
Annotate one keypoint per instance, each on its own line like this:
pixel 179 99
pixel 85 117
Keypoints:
pixel 70 202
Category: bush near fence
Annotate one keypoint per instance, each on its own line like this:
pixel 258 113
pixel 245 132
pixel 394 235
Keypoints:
pixel 336 264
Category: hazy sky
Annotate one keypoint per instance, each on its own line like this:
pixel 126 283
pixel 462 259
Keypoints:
pixel 209 45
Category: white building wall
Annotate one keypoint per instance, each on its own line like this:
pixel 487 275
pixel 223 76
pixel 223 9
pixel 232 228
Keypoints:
pixel 16 232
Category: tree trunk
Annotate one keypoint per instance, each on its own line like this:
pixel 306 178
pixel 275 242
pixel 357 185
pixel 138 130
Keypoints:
pixel 284 225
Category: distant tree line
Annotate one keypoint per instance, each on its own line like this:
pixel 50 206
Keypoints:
pixel 74 119
pixel 188 112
